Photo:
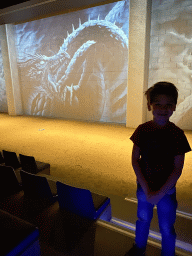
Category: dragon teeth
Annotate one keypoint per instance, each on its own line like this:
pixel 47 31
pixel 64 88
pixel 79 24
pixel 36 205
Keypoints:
pixel 73 28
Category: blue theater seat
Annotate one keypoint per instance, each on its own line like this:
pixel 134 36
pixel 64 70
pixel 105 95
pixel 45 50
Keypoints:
pixel 37 187
pixel 83 203
pixel 11 159
pixel 18 237
pixel 29 164
pixel 9 184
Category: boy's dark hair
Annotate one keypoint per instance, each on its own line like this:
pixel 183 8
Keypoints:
pixel 165 88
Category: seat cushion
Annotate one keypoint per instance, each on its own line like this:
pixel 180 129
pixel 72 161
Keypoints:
pixel 98 200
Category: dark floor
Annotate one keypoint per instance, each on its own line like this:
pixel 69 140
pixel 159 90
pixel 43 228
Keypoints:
pixel 96 240
pixel 107 242
pixel 99 241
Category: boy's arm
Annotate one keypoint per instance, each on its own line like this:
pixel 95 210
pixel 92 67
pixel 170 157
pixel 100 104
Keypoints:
pixel 137 169
pixel 172 180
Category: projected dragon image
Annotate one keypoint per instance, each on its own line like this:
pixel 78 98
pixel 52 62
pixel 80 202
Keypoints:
pixel 86 78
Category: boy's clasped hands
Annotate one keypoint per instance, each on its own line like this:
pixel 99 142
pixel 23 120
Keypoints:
pixel 154 197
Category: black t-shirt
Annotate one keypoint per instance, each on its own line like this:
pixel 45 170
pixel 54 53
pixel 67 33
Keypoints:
pixel 158 147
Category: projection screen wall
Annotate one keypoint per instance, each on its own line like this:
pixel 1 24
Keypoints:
pixel 75 65
pixel 3 97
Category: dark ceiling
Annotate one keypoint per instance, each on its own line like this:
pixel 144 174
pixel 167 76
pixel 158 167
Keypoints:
pixel 19 11
pixel 8 3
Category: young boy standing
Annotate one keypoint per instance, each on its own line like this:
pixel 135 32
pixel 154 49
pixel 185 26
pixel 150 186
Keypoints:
pixel 157 159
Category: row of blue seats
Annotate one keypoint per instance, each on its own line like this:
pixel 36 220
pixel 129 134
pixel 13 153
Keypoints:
pixel 27 163
pixel 77 200
pixel 18 237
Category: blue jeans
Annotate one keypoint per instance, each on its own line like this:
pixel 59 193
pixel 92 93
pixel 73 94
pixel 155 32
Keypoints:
pixel 166 210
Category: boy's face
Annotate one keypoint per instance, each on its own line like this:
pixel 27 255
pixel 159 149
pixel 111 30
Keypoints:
pixel 162 109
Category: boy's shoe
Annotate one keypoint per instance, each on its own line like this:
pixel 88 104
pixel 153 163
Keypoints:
pixel 135 251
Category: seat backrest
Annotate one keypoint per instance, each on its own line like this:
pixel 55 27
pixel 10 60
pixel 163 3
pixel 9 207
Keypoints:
pixel 76 200
pixel 11 159
pixel 34 186
pixel 8 181
pixel 28 163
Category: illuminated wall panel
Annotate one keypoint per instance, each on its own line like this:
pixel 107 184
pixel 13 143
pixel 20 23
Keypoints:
pixel 3 97
pixel 75 65
pixel 171 53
